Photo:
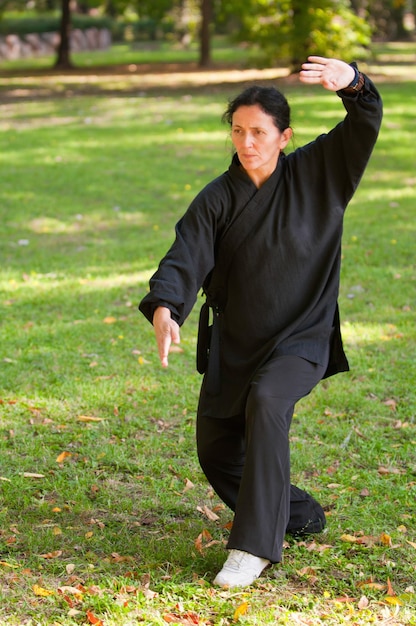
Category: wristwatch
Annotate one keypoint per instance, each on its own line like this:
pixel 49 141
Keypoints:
pixel 357 82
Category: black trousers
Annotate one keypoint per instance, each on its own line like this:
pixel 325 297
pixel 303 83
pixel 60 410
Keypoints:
pixel 246 458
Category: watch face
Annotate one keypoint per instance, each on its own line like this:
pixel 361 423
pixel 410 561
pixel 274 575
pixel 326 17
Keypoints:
pixel 359 83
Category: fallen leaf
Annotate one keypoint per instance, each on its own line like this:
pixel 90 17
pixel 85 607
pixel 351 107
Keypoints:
pixel 5 564
pixel 68 589
pixel 188 619
pixel 188 485
pixel 385 539
pixel 40 591
pixel 64 455
pixel 307 571
pixel 388 470
pixel 358 432
pixel 51 555
pixel 33 475
pixel 370 584
pixel 109 320
pixel 5 479
pixel 394 600
pixel 240 610
pixel 207 511
pixel 390 590
pixel 363 602
pixel 411 543
pixel 120 559
pixel 94 620
pixel 89 418
pixel 205 536
pixel 69 568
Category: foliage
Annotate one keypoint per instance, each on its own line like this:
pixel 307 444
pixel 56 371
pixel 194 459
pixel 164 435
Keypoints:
pixel 388 17
pixel 105 516
pixel 288 30
pixel 49 23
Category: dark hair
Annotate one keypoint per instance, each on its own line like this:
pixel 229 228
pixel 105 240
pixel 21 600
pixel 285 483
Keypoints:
pixel 272 101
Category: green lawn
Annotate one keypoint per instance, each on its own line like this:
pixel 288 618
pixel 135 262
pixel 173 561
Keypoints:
pixel 103 507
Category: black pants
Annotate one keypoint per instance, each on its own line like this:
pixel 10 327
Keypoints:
pixel 246 458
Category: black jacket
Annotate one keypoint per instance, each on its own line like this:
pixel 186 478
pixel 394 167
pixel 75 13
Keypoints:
pixel 283 280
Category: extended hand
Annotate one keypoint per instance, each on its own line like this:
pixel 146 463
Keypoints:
pixel 166 330
pixel 332 74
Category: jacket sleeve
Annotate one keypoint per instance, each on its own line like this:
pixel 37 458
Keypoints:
pixel 191 257
pixel 340 157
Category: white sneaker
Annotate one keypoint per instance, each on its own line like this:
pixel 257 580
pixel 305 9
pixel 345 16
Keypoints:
pixel 240 569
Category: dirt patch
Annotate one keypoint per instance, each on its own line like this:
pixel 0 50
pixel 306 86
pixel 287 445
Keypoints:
pixel 155 79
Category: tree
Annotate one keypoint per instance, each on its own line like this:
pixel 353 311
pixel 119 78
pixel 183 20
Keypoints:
pixel 63 60
pixel 290 30
pixel 205 33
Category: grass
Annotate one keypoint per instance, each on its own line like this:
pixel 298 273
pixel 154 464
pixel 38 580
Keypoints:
pixel 102 499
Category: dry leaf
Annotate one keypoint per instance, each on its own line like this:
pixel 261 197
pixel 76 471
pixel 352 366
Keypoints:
pixel 32 475
pixel 385 539
pixel 188 485
pixel 371 585
pixel 205 536
pixel 40 591
pixel 5 479
pixel 70 568
pixel 94 620
pixel 120 559
pixel 411 543
pixel 64 455
pixel 51 555
pixel 390 590
pixel 388 470
pixel 89 418
pixel 307 571
pixel 67 589
pixel 240 610
pixel 394 600
pixel 363 603
pixel 207 511
pixel 109 320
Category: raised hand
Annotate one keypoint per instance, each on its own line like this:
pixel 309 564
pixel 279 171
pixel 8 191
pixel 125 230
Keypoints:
pixel 332 74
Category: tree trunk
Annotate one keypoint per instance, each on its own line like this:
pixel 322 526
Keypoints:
pixel 63 60
pixel 205 34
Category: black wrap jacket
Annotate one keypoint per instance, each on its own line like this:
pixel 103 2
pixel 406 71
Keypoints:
pixel 281 284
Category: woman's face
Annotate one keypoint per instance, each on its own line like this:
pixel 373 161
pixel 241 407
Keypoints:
pixel 258 141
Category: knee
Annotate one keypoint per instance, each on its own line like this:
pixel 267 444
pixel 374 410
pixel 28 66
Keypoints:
pixel 265 409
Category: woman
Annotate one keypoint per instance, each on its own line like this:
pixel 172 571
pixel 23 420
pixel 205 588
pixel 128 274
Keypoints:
pixel 264 241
